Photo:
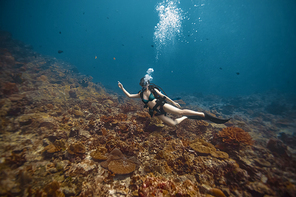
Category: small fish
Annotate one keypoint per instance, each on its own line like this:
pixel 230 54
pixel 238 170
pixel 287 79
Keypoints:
pixel 60 32
pixel 152 45
pixel 237 73
pixel 220 68
pixel 60 51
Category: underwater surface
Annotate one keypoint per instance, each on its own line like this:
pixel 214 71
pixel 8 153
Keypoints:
pixel 66 129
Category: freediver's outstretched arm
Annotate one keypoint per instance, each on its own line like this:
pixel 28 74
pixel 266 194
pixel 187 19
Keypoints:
pixel 127 93
pixel 167 98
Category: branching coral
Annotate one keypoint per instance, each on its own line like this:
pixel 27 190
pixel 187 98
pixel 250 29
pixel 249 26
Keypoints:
pixel 235 136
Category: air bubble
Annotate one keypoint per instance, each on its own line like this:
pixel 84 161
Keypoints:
pixel 169 25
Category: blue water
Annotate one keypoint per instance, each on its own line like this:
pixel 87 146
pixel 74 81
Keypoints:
pixel 227 48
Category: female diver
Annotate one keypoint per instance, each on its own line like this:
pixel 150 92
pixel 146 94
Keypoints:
pixel 158 106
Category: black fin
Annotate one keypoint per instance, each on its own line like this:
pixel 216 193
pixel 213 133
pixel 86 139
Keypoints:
pixel 209 117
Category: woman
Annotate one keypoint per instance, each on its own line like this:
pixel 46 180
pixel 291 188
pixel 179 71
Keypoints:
pixel 158 106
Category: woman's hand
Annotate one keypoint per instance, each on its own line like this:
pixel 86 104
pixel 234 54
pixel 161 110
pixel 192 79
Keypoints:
pixel 120 85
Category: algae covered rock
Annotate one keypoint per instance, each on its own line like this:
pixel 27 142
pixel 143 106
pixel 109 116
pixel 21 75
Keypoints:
pixel 78 113
pixel 121 166
pixel 118 163
pixel 76 148
pixel 219 154
pixel 25 119
pixel 99 154
pixel 202 147
pixel 205 148
pixel 262 162
pixel 53 189
pixel 57 146
pixel 50 148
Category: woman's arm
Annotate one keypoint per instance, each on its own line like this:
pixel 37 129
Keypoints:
pixel 167 98
pixel 127 93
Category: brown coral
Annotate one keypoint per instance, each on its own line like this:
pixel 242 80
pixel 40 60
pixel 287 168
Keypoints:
pixel 216 192
pixel 129 106
pixel 202 147
pixel 113 120
pixel 53 189
pixel 205 148
pixel 57 146
pixel 219 154
pixel 16 160
pixel 235 136
pixel 76 148
pixel 9 88
pixel 121 166
pixel 118 163
pixel 99 154
pixel 161 186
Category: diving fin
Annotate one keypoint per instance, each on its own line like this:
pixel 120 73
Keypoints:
pixel 209 117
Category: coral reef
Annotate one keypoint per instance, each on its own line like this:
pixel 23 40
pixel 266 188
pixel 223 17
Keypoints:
pixel 205 148
pixel 161 186
pixel 99 154
pixel 76 148
pixel 277 146
pixel 234 136
pixel 63 135
pixel 118 163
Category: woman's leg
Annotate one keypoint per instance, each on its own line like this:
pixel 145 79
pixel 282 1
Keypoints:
pixel 170 121
pixel 184 112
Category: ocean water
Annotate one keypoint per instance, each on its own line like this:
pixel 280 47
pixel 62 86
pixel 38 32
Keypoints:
pixel 66 129
pixel 225 48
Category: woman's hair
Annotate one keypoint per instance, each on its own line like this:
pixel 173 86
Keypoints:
pixel 143 82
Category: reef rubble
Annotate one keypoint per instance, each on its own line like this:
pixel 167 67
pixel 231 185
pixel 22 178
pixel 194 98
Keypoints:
pixel 63 135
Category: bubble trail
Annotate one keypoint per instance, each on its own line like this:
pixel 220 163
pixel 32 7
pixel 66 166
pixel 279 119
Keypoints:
pixel 169 25
pixel 148 76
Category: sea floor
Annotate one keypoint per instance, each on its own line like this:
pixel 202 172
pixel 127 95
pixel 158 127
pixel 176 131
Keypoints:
pixel 63 135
